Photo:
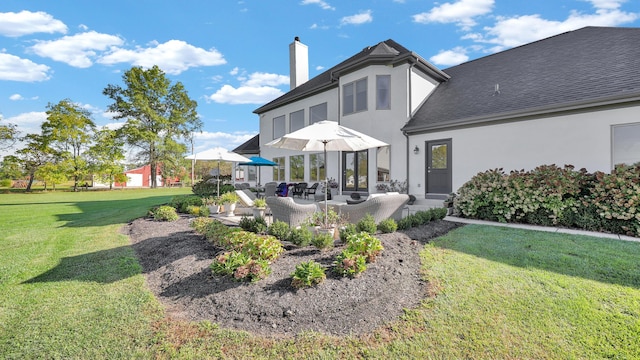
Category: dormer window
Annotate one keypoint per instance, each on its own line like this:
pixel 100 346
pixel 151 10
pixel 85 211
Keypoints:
pixel 354 97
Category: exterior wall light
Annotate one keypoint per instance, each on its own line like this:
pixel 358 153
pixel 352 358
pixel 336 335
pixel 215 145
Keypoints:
pixel 416 150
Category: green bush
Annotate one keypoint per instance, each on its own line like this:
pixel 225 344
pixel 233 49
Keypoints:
pixel 350 264
pixel 423 216
pixel 405 223
pixel 308 274
pixel 279 229
pixel 182 202
pixel 347 230
pixel 165 213
pixel 388 226
pixel 201 224
pixel 549 195
pixel 301 236
pixel 219 234
pixel 367 224
pixel 365 244
pixel 322 241
pixel 438 213
pixel 6 183
pixel 201 211
pixel 240 266
pixel 208 186
pixel 261 247
pixel 255 225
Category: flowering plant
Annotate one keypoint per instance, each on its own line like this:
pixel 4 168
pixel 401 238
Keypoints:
pixel 332 183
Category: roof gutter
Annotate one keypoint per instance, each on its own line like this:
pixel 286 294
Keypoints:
pixel 512 115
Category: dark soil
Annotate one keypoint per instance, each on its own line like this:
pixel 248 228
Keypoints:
pixel 176 261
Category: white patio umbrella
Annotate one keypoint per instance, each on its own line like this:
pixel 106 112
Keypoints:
pixel 326 136
pixel 218 154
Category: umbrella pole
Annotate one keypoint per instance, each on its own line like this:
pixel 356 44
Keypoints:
pixel 326 186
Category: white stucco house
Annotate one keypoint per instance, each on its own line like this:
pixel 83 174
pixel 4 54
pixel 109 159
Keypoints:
pixel 572 99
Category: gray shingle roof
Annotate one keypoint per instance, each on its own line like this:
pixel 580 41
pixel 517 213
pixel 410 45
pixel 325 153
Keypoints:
pixel 386 52
pixel 585 67
pixel 251 146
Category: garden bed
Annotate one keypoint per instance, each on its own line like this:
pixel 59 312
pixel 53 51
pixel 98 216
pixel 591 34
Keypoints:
pixel 176 261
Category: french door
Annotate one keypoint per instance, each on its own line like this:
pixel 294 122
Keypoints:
pixel 355 167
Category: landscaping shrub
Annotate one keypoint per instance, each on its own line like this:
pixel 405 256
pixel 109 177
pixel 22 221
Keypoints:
pixel 367 224
pixel 240 266
pixel 423 216
pixel 322 241
pixel 364 244
pixel 549 195
pixel 256 225
pixel 350 264
pixel 438 213
pixel 182 202
pixel 201 211
pixel 6 183
pixel 261 247
pixel 388 226
pixel 218 234
pixel 165 213
pixel 279 229
pixel 347 230
pixel 405 223
pixel 308 273
pixel 301 236
pixel 201 224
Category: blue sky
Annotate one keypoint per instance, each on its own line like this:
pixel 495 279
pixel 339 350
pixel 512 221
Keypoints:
pixel 232 56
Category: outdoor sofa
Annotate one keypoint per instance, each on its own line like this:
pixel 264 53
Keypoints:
pixel 285 209
pixel 380 206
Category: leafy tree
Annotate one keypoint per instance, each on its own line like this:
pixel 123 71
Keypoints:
pixel 106 155
pixel 70 129
pixel 35 154
pixel 157 115
pixel 8 135
pixel 52 174
pixel 11 168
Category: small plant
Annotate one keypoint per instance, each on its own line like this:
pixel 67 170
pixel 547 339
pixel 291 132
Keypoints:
pixel 201 224
pixel 405 223
pixel 388 226
pixel 308 274
pixel 253 271
pixel 182 202
pixel 229 198
pixel 322 241
pixel 256 225
pixel 350 264
pixel 210 200
pixel 6 183
pixel 366 245
pixel 367 224
pixel 347 230
pixel 279 229
pixel 260 203
pixel 423 217
pixel 201 211
pixel 261 247
pixel 165 213
pixel 227 262
pixel 301 236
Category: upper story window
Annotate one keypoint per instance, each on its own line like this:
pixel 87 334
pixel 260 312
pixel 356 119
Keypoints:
pixel 354 97
pixel 318 113
pixel 278 127
pixel 626 144
pixel 296 120
pixel 383 92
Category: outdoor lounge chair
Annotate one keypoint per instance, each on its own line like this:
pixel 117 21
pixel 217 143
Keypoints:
pixel 310 190
pixel 282 189
pixel 246 197
pixel 380 207
pixel 285 209
pixel 270 189
pixel 299 189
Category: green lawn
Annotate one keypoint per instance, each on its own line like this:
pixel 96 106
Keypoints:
pixel 70 287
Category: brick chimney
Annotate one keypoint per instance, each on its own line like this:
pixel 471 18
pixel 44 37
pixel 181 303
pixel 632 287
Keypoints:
pixel 298 63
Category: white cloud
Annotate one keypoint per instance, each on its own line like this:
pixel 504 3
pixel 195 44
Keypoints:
pixel 319 67
pixel 28 123
pixel 515 31
pixel 173 57
pixel 76 50
pixel 16 97
pixel 16 69
pixel 357 19
pixel 451 57
pixel 27 22
pixel 606 4
pixel 245 95
pixel 234 71
pixel 323 4
pixel 207 140
pixel 259 79
pixel 461 13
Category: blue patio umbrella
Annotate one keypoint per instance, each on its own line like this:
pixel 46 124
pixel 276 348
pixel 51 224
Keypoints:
pixel 258 161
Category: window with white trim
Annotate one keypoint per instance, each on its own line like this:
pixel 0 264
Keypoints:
pixel 354 97
pixel 296 167
pixel 296 120
pixel 278 127
pixel 625 142
pixel 316 163
pixel 278 170
pixel 318 113
pixel 383 92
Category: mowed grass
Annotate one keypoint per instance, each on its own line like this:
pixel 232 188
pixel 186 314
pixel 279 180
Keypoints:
pixel 70 287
